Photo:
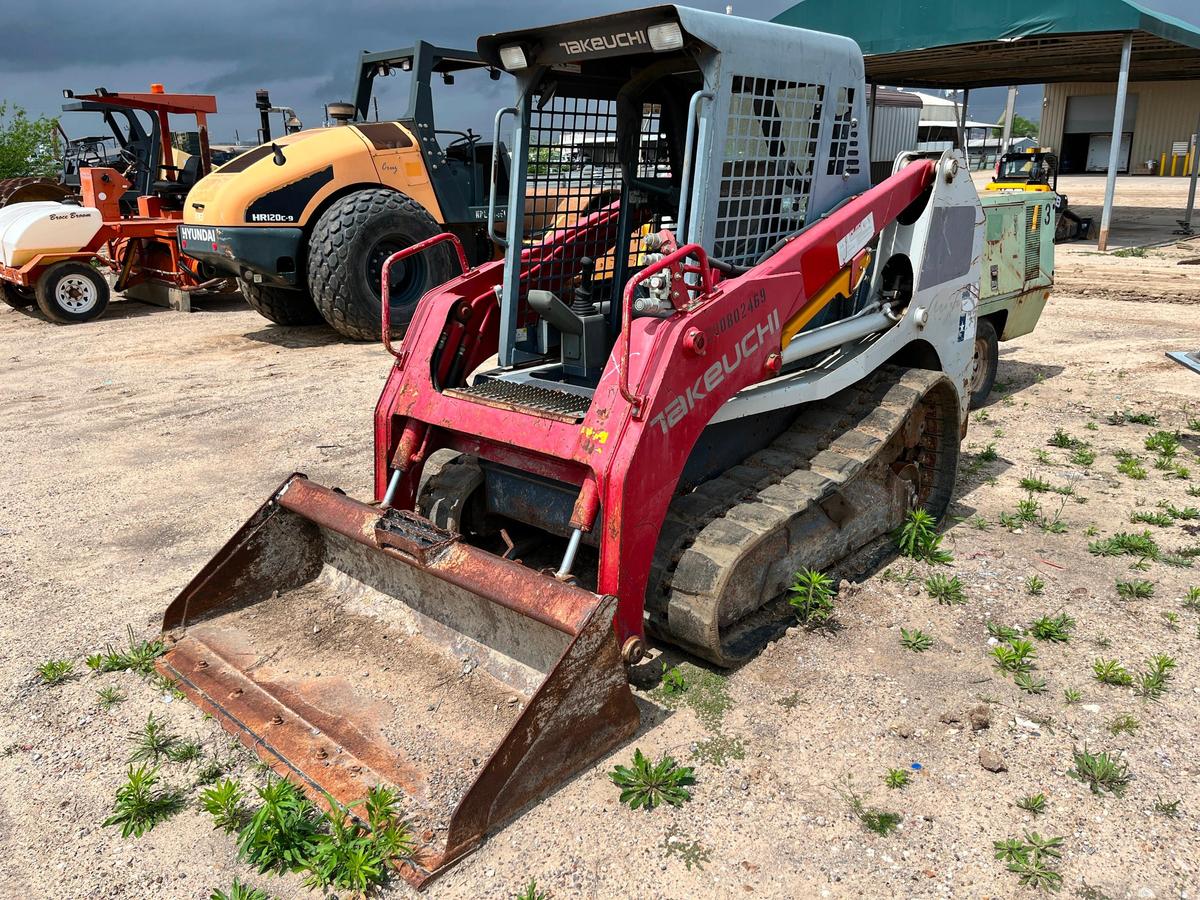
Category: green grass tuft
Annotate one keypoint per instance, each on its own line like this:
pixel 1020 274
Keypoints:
pixel 646 784
pixel 1101 771
pixel 56 671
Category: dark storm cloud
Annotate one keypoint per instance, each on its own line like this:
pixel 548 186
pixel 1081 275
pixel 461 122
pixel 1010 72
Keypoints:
pixel 302 51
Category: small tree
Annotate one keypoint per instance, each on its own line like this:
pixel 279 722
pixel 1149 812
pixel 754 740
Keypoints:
pixel 27 146
pixel 1021 127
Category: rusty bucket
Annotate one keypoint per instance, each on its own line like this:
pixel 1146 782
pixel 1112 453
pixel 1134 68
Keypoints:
pixel 348 646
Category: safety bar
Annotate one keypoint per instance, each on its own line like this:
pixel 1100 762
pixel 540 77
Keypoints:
pixel 667 262
pixel 491 219
pixel 404 254
pixel 689 149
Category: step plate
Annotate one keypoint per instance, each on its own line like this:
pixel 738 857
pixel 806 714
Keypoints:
pixel 548 402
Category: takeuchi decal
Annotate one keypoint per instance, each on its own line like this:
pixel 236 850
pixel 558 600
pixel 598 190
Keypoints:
pixel 600 42
pixel 711 378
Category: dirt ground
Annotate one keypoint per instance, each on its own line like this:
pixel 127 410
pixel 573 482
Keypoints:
pixel 131 448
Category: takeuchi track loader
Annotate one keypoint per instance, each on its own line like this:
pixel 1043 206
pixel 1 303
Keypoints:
pixel 573 459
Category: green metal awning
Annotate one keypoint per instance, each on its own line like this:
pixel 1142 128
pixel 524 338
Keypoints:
pixel 943 43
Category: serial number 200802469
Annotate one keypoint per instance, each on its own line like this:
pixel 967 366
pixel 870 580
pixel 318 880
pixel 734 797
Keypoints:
pixel 743 309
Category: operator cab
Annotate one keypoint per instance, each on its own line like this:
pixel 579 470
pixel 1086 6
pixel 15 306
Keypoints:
pixel 459 161
pixel 638 133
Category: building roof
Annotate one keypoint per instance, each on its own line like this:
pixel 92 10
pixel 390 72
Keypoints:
pixel 943 43
pixel 890 97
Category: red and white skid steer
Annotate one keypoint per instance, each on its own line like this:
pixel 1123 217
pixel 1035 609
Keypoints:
pixel 767 372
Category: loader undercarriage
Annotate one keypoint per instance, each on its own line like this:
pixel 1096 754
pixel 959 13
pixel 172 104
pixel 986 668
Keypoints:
pixel 843 474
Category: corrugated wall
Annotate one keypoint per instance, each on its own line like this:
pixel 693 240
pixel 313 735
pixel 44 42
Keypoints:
pixel 895 132
pixel 1166 112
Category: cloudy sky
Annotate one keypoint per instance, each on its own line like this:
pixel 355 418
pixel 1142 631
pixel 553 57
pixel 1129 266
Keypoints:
pixel 302 51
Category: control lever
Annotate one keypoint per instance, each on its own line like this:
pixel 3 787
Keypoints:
pixel 581 303
pixel 583 331
pixel 557 313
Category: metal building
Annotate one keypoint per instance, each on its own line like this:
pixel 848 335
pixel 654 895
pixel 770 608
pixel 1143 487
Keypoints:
pixel 1109 43
pixel 895 117
pixel 1160 119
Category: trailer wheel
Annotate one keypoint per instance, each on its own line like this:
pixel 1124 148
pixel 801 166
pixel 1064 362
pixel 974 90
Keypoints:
pixel 281 305
pixel 345 261
pixel 69 292
pixel 16 296
pixel 983 366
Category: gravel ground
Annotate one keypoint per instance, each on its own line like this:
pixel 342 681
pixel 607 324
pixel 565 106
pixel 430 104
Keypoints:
pixel 134 446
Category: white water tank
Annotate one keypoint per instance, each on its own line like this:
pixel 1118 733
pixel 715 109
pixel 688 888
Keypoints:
pixel 44 226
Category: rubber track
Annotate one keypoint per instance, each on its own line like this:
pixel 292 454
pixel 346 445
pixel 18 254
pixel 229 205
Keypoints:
pixel 728 549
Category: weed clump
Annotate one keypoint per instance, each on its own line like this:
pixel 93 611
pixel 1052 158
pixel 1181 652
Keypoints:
pixel 282 833
pixel 138 657
pixel 1034 803
pixel 225 803
pixel 239 891
pixel 140 804
pixel 1141 545
pixel 1017 655
pixel 56 671
pixel 1032 859
pixel 646 784
pixel 705 691
pixel 1153 682
pixel 1135 590
pixel 918 539
pixel 948 591
pixel 811 596
pixel 1101 771
pixel 353 855
pixel 876 821
pixel 1053 628
pixel 1110 671
pixel 915 640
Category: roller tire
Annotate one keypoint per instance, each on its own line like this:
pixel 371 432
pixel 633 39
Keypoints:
pixel 345 258
pixel 30 189
pixel 281 305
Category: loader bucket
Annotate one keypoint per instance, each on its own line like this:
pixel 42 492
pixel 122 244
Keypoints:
pixel 350 647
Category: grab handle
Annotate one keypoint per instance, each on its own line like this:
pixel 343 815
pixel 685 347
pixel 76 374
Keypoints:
pixel 404 254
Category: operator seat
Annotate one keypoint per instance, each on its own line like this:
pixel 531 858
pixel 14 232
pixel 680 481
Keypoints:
pixel 173 193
